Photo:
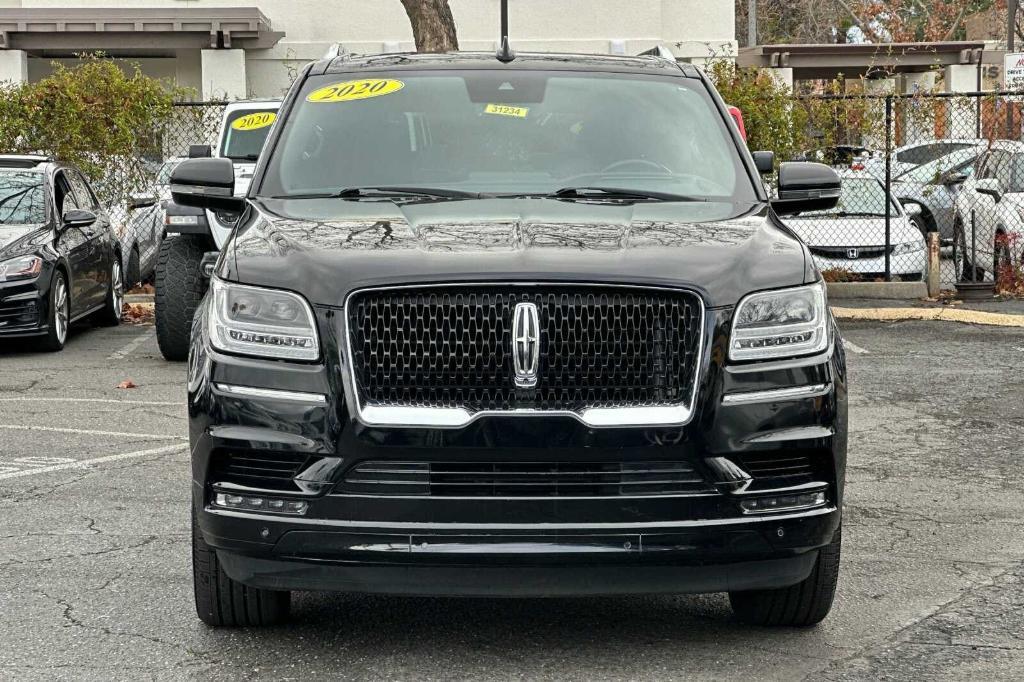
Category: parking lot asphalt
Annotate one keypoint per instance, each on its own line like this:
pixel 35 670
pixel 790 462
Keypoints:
pixel 95 578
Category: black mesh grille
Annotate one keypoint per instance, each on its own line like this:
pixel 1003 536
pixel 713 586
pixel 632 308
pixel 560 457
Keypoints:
pixel 452 347
pixel 16 314
pixel 780 469
pixel 266 469
pixel 524 479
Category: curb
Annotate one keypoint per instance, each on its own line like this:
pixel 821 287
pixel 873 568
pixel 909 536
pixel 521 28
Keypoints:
pixel 929 314
pixel 138 298
pixel 905 291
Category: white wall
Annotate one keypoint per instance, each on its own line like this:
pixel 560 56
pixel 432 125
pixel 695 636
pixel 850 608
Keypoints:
pixel 692 28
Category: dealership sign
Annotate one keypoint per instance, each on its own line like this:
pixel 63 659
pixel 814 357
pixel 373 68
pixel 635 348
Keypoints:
pixel 1013 72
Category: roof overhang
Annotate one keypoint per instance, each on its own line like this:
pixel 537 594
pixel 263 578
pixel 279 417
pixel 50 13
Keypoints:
pixel 123 30
pixel 854 60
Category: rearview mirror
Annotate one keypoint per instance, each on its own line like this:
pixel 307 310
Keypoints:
pixel 205 183
pixel 989 187
pixel 77 217
pixel 141 200
pixel 805 186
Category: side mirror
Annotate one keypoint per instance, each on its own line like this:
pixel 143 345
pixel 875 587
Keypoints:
pixel 77 217
pixel 200 151
pixel 764 162
pixel 991 187
pixel 912 209
pixel 205 183
pixel 957 178
pixel 805 186
pixel 141 200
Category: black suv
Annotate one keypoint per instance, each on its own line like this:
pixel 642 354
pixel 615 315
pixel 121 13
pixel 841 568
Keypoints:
pixel 527 327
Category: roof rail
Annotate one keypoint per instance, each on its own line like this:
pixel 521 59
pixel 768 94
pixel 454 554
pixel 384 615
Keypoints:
pixel 658 51
pixel 23 160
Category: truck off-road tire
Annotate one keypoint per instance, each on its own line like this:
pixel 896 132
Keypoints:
pixel 113 304
pixel 221 601
pixel 800 605
pixel 180 286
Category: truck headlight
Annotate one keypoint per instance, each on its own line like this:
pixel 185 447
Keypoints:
pixel 262 322
pixel 780 323
pixel 23 267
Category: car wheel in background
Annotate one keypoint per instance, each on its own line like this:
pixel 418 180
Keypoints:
pixel 961 258
pixel 221 601
pixel 133 275
pixel 110 315
pixel 60 313
pixel 800 605
pixel 1001 258
pixel 180 286
pixel 921 224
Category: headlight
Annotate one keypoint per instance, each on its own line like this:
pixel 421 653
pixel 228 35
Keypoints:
pixel 907 247
pixel 263 322
pixel 23 267
pixel 782 323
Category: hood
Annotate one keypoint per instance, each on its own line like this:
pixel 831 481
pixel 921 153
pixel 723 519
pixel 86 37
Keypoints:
pixel 16 240
pixel 852 231
pixel 327 248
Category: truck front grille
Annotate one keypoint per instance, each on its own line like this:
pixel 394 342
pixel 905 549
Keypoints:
pixel 524 479
pixel 452 346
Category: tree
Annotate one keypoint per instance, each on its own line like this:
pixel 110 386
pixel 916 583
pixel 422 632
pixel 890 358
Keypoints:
pixel 433 26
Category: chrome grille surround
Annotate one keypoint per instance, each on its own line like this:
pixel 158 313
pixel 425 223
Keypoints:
pixel 677 412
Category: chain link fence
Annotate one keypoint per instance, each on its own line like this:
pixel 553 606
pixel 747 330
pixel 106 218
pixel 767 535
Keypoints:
pixel 911 165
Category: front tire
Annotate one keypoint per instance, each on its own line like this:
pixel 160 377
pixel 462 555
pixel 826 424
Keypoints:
pixel 60 313
pixel 801 605
pixel 180 287
pixel 113 306
pixel 221 601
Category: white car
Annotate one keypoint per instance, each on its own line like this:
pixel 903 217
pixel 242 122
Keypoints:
pixel 851 236
pixel 989 222
pixel 916 154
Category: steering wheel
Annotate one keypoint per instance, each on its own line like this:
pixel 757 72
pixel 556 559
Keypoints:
pixel 637 162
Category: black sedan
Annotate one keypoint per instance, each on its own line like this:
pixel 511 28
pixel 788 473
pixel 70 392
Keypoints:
pixel 59 258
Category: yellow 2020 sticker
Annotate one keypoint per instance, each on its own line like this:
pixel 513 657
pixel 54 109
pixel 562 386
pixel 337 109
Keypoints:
pixel 505 110
pixel 353 90
pixel 260 119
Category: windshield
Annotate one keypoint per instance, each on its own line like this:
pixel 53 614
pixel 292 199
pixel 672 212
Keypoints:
pixel 245 131
pixel 22 198
pixel 933 170
pixel 858 196
pixel 507 132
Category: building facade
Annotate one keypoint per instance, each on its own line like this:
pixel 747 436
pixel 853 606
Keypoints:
pixel 239 48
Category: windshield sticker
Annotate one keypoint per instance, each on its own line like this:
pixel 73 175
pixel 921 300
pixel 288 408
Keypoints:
pixel 505 110
pixel 353 90
pixel 260 119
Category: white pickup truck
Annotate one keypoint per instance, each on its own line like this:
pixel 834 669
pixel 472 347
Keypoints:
pixel 189 234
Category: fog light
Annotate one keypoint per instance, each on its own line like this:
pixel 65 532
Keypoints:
pixel 783 502
pixel 258 503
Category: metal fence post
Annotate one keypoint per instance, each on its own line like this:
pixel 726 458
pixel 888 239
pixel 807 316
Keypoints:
pixel 888 186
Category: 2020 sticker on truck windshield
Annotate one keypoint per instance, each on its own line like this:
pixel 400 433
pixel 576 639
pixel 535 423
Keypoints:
pixel 353 90
pixel 255 121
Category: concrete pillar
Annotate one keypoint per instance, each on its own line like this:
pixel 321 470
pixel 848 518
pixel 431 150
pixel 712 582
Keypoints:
pixel 916 116
pixel 223 74
pixel 962 112
pixel 875 139
pixel 783 76
pixel 13 66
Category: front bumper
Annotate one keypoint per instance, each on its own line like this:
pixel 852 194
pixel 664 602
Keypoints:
pixel 912 266
pixel 701 541
pixel 24 306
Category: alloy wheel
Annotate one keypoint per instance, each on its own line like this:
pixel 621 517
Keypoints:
pixel 61 313
pixel 117 288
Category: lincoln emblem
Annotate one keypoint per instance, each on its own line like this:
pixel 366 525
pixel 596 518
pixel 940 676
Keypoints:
pixel 526 345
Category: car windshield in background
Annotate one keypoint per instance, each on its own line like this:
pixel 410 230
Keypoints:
pixel 508 133
pixel 22 198
pixel 245 132
pixel 934 170
pixel 858 197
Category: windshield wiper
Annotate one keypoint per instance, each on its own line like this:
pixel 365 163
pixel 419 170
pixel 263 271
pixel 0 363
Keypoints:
pixel 619 194
pixel 386 193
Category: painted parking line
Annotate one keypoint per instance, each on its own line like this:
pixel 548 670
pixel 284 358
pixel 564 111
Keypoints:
pixel 112 401
pixel 854 348
pixel 89 432
pixel 29 469
pixel 132 345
